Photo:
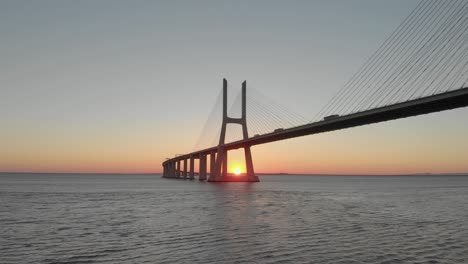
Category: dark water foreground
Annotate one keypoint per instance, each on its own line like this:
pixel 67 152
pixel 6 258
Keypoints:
pixel 283 219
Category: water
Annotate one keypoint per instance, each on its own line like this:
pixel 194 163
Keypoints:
pixel 283 219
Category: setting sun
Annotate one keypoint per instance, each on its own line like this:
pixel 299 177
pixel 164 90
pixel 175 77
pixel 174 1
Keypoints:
pixel 237 171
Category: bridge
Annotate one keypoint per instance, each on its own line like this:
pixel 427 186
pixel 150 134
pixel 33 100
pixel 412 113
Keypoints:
pixel 421 68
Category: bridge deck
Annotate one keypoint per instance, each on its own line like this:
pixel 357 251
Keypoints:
pixel 430 104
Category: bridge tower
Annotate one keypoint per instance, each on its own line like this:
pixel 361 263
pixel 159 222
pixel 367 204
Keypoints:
pixel 220 173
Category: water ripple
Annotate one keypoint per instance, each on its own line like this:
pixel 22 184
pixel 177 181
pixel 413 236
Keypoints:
pixel 145 219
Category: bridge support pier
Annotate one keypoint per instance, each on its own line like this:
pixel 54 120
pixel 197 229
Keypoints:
pixel 192 167
pixel 220 170
pixel 185 168
pixel 225 163
pixel 173 170
pixel 212 162
pixel 202 168
pixel 169 170
pixel 177 169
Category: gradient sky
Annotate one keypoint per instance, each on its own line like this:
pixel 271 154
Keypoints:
pixel 118 86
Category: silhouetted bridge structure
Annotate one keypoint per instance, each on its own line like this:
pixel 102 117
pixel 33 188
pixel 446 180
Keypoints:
pixel 426 105
pixel 420 69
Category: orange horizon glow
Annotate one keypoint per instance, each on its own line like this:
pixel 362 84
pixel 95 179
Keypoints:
pixel 381 149
pixel 264 162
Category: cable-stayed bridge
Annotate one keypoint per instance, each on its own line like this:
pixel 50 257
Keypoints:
pixel 421 68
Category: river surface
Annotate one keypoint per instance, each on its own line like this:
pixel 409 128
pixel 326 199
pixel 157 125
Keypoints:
pixel 60 218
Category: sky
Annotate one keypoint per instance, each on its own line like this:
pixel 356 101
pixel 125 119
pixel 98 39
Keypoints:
pixel 119 86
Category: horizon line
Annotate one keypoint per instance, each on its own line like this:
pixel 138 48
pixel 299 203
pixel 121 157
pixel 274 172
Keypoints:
pixel 260 173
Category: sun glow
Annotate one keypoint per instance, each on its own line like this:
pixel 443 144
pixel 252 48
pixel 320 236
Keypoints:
pixel 237 171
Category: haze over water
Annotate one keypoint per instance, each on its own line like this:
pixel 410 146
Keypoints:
pixel 54 218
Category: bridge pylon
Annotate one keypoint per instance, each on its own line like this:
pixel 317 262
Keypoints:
pixel 220 173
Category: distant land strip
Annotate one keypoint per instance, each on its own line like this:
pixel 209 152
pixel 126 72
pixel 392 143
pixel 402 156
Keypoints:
pixel 260 174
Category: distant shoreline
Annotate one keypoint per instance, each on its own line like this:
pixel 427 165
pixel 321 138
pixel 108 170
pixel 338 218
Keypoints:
pixel 409 174
pixel 259 174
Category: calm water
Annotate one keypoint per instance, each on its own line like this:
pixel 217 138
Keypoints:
pixel 283 219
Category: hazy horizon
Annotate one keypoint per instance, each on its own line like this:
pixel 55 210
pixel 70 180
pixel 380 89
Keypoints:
pixel 258 173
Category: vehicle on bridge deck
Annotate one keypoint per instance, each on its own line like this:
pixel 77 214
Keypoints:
pixel 330 117
pixel 256 135
pixel 278 130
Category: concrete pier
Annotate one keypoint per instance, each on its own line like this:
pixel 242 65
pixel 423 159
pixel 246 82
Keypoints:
pixel 178 169
pixel 202 168
pixel 212 162
pixel 192 167
pixel 218 171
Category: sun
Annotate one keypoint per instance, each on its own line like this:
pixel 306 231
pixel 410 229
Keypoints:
pixel 237 171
